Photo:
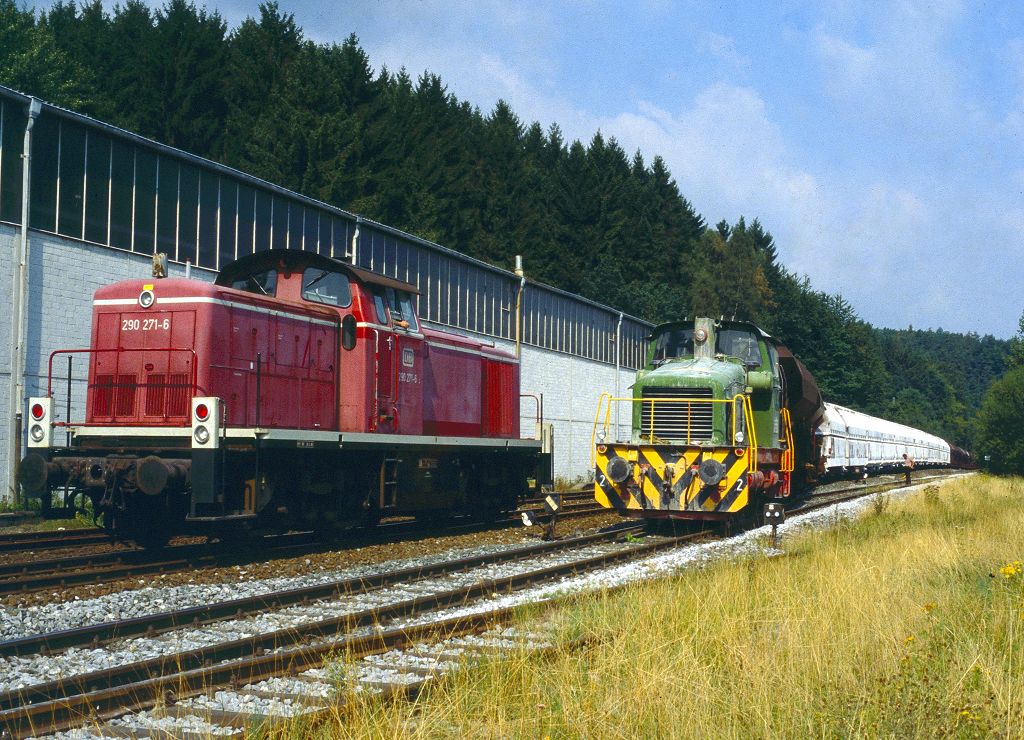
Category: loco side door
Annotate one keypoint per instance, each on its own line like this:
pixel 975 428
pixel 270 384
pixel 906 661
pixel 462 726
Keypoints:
pixel 384 351
pixel 407 357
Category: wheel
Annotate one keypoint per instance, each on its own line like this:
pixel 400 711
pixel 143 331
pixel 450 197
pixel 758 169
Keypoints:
pixel 371 514
pixel 151 537
pixel 148 524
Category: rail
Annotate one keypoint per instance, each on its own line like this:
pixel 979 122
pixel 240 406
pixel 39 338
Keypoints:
pixel 740 401
pixel 163 399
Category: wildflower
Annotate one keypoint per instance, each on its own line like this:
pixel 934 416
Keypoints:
pixel 910 639
pixel 1011 570
pixel 929 607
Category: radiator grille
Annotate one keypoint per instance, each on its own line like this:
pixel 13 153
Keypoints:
pixel 179 390
pixel 103 395
pixel 124 395
pixel 155 392
pixel 677 420
pixel 167 395
pixel 114 395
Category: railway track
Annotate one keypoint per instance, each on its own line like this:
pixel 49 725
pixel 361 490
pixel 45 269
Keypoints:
pixel 855 490
pixel 52 540
pixel 278 671
pixel 39 541
pixel 38 574
pixel 49 706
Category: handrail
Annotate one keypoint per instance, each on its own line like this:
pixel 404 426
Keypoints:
pixel 194 381
pixel 748 416
pixel 789 456
pixel 539 400
pixel 593 431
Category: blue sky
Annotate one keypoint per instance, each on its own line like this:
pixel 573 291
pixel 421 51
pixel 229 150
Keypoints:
pixel 881 143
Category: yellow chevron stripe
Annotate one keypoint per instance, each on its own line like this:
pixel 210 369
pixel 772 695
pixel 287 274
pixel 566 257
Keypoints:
pixel 653 492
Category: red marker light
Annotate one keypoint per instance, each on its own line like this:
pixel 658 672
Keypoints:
pixel 202 411
pixel 37 411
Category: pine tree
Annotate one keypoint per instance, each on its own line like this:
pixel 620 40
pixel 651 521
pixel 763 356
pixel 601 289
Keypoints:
pixel 1016 356
pixel 32 62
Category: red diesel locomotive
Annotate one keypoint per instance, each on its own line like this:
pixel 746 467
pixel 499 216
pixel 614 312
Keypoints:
pixel 295 391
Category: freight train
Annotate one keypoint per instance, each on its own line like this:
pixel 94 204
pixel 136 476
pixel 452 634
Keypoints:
pixel 724 417
pixel 296 391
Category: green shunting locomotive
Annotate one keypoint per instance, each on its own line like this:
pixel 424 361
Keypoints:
pixel 722 419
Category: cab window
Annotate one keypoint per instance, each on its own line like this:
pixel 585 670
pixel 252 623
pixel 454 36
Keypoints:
pixel 739 343
pixel 402 313
pixel 379 307
pixel 672 344
pixel 325 286
pixel 408 310
pixel 262 283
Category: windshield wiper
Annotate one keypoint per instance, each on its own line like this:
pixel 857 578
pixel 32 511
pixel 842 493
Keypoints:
pixel 316 280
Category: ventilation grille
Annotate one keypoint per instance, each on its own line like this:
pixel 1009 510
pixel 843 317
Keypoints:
pixel 167 395
pixel 114 396
pixel 678 420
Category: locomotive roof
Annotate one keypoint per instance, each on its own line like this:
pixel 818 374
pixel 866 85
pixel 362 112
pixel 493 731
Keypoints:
pixel 722 322
pixel 297 259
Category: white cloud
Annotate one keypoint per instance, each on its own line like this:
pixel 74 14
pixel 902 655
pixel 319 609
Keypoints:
pixel 870 244
pixel 901 79
pixel 723 147
pixel 724 49
pixel 730 160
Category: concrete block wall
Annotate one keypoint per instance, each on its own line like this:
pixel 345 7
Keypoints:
pixel 572 387
pixel 64 274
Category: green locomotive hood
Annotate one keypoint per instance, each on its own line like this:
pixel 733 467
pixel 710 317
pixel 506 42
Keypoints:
pixel 669 418
pixel 725 379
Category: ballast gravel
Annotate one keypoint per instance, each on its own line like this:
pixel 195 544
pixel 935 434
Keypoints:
pixel 307 564
pixel 18 622
pixel 258 706
pixel 284 685
pixel 20 672
pixel 174 726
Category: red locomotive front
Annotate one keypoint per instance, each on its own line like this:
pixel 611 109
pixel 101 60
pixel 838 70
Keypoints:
pixel 295 391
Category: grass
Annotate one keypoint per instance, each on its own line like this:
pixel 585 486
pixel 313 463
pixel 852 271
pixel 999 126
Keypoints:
pixel 904 623
pixel 81 520
pixel 563 483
